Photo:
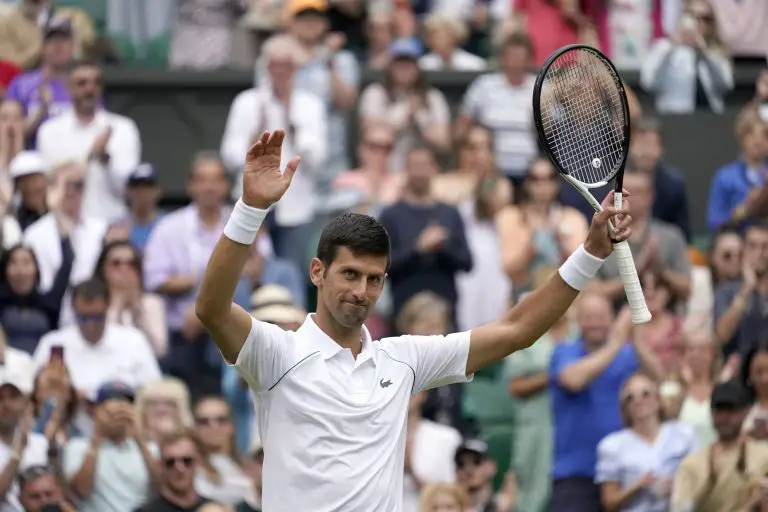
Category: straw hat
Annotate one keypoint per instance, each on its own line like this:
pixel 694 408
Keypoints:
pixel 274 304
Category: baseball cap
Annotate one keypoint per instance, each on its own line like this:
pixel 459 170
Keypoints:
pixel 17 371
pixel 144 174
pixel 274 304
pixel 730 395
pixel 114 391
pixel 473 446
pixel 406 48
pixel 58 27
pixel 26 163
pixel 298 7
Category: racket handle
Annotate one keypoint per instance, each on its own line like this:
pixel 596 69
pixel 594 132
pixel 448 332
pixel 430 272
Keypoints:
pixel 628 273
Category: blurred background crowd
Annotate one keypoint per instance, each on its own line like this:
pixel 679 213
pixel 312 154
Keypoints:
pixel 112 396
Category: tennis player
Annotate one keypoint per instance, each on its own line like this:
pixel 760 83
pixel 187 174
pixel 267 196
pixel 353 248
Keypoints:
pixel 331 402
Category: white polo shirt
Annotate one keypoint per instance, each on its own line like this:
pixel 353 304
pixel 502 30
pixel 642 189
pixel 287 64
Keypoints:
pixel 333 427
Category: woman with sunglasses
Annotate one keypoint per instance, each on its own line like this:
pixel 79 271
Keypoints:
pixel 636 465
pixel 539 232
pixel 119 266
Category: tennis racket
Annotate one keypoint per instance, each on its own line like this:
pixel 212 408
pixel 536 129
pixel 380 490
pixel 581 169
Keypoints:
pixel 582 119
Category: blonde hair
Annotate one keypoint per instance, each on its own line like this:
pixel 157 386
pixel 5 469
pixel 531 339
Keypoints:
pixel 747 120
pixel 168 388
pixel 453 25
pixel 713 41
pixel 283 45
pixel 430 492
pixel 421 304
pixel 623 405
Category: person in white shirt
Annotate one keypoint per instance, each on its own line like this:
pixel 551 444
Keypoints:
pixel 66 217
pixel 444 35
pixel 332 403
pixel 96 351
pixel 273 104
pixel 107 143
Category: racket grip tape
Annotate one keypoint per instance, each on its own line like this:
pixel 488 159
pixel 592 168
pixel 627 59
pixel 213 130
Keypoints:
pixel 632 287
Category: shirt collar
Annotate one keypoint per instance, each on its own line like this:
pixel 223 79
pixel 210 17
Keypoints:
pixel 329 348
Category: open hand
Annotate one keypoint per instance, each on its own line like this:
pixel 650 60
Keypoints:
pixel 599 242
pixel 263 183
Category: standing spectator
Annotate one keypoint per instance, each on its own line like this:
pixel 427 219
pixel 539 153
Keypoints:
pixel 162 408
pixel 112 470
pixel 444 36
pixel 254 467
pixel 502 103
pixel 20 448
pixel 637 464
pixel 142 196
pixel 656 246
pixel 67 219
pixel 40 490
pixel 278 103
pixel 427 237
pixel 690 70
pixel 203 34
pixel 585 377
pixel 11 143
pixel 95 350
pixel 43 92
pixel 406 103
pixel 174 260
pixel 737 192
pixel 327 71
pixel 23 29
pixel 108 144
pixel 28 172
pixel 379 32
pixel 723 476
pixel 26 314
pixel 537 234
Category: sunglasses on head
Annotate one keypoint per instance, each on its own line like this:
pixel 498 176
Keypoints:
pixel 635 395
pixel 186 461
pixel 210 420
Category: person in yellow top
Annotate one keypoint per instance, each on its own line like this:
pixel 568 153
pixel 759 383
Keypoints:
pixel 731 474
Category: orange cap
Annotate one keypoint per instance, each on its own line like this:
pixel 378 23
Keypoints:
pixel 297 6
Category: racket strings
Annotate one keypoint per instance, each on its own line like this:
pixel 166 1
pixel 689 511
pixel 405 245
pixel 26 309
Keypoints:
pixel 583 117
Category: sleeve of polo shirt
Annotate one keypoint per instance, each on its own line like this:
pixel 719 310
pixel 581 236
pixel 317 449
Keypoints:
pixel 473 98
pixel 262 360
pixel 435 360
pixel 608 468
pixel 73 457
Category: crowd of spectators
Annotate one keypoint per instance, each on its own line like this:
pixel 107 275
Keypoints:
pixel 112 396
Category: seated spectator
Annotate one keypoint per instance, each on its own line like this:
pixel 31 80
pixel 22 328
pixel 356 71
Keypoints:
pixel 113 469
pixel 26 314
pixel 723 476
pixel 406 103
pixel 445 35
pixel 443 497
pixel 656 246
pixel 120 267
pixel 21 446
pixel 43 92
pixel 107 144
pixel 253 465
pixel 28 173
pixel 180 460
pixel 502 103
pixel 739 320
pixel 692 69
pixel 203 33
pixel 374 183
pixel 96 350
pixel 585 377
pixel 738 192
pixel 428 449
pixel 221 478
pixel 40 490
pixel 24 30
pixel 11 143
pixel 66 218
pixel 379 32
pixel 55 403
pixel 754 376
pixel 636 465
pixel 162 407
pixel 741 27
pixel 142 196
pixel 275 103
pixel 424 232
pixel 538 233
pixel 664 333
pixel 475 471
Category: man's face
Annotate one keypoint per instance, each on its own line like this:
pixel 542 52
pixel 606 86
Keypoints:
pixel 142 196
pixel 281 69
pixel 641 187
pixel 208 187
pixel 727 422
pixel 420 168
pixel 309 27
pixel 350 286
pixel 375 149
pixel 118 414
pixel 91 317
pixel 85 87
pixel 473 471
pixel 756 249
pixel 72 182
pixel 754 143
pixel 58 50
pixel 594 317
pixel 33 188
pixel 645 151
pixel 39 492
pixel 515 61
pixel 12 404
pixel 179 463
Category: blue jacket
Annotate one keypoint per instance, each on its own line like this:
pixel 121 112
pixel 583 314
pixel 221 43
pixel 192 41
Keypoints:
pixel 729 188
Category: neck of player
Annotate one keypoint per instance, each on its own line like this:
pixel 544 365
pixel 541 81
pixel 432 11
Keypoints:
pixel 346 337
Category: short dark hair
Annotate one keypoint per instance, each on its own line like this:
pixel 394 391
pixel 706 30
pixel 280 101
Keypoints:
pixel 91 290
pixel 646 124
pixel 519 39
pixel 361 234
pixel 82 63
pixel 757 225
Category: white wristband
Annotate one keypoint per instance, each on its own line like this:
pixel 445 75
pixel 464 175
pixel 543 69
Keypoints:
pixel 579 268
pixel 244 223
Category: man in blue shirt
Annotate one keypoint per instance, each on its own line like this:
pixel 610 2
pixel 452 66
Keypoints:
pixel 585 378
pixel 142 193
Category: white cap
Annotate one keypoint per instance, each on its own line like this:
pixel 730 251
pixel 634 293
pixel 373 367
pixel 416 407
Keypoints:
pixel 27 162
pixel 17 371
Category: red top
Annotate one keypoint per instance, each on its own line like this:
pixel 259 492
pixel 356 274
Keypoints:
pixel 8 71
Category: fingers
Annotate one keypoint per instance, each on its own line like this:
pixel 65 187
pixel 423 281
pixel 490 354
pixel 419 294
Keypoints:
pixel 290 168
pixel 257 149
